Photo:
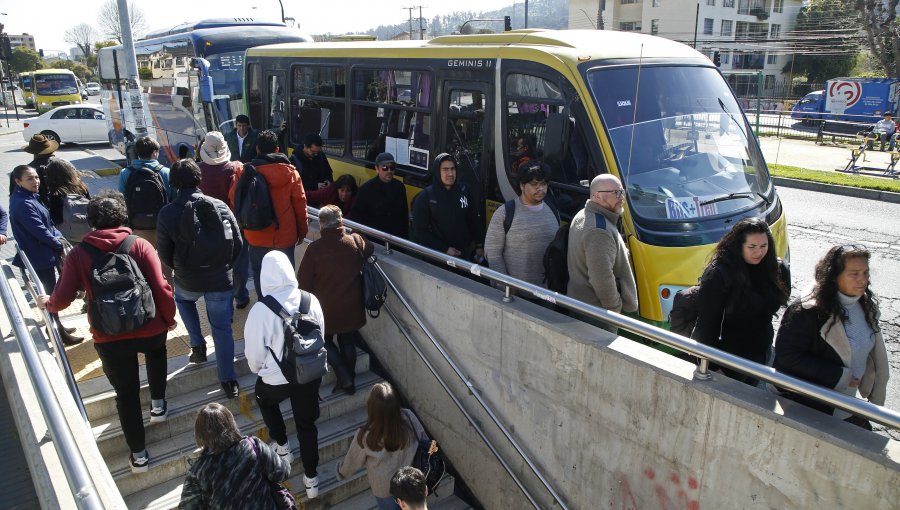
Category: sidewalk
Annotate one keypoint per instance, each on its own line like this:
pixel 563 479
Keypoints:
pixel 806 154
pixel 9 125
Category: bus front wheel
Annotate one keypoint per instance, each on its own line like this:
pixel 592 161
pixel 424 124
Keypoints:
pixel 51 136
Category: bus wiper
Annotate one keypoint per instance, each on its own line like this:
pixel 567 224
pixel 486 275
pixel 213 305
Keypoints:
pixel 764 198
pixel 730 196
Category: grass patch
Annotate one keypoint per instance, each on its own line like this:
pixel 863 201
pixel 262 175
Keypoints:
pixel 838 178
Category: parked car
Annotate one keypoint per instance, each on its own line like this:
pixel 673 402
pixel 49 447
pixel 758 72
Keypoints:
pixel 93 88
pixel 74 123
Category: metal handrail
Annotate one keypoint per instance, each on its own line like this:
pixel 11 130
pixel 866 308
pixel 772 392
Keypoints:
pixel 867 410
pixel 36 288
pixel 76 471
pixel 474 423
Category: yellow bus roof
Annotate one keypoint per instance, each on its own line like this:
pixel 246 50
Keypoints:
pixel 574 44
pixel 53 71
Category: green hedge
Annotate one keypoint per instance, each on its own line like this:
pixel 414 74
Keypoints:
pixel 838 178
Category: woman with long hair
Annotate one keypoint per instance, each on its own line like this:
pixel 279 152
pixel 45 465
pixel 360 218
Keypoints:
pixel 741 289
pixel 233 471
pixel 64 183
pixel 387 442
pixel 36 237
pixel 341 192
pixel 831 336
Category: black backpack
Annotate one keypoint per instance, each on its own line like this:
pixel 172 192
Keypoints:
pixel 374 288
pixel 685 310
pixel 556 263
pixel 303 355
pixel 206 236
pixel 510 209
pixel 145 195
pixel 430 462
pixel 252 202
pixel 121 299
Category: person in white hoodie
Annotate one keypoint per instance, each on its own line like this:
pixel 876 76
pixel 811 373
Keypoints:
pixel 264 328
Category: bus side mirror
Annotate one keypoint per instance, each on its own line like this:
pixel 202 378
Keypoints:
pixel 206 89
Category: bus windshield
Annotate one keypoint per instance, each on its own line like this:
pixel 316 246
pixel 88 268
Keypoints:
pixel 55 84
pixel 684 149
pixel 227 73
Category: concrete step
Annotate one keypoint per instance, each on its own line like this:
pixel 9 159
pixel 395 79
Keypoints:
pixel 183 377
pixel 182 411
pixel 341 416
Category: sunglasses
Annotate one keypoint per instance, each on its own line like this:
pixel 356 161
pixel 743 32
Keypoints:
pixel 851 248
pixel 388 168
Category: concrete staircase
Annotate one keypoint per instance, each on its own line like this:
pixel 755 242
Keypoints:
pixel 171 443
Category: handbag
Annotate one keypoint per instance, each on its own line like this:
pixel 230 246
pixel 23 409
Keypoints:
pixel 283 498
pixel 430 462
pixel 374 288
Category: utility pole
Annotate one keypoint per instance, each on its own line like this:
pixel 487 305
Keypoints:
pixel 421 30
pixel 526 13
pixel 600 6
pixel 696 21
pixel 410 9
pixel 134 84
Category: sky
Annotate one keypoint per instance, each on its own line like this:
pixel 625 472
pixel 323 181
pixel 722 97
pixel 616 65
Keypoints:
pixel 334 16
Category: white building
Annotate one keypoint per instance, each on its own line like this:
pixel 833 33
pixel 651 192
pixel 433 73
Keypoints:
pixel 25 40
pixel 746 33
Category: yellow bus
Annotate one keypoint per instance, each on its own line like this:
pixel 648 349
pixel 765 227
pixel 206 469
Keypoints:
pixel 652 111
pixel 54 87
pixel 25 86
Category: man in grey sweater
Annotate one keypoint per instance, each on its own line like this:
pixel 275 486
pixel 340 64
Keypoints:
pixel 519 252
pixel 599 271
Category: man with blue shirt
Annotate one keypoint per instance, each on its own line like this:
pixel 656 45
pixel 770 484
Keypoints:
pixel 145 184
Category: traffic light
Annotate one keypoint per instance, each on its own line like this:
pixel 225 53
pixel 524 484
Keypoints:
pixel 717 59
pixel 507 24
pixel 41 53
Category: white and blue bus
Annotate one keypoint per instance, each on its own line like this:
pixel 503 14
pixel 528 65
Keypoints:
pixel 192 81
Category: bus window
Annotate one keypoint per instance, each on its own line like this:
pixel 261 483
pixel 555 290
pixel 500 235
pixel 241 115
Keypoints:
pixel 317 106
pixel 275 88
pixel 464 138
pixel 392 112
pixel 254 91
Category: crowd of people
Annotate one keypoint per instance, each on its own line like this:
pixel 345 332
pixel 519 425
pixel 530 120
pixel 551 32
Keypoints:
pixel 168 237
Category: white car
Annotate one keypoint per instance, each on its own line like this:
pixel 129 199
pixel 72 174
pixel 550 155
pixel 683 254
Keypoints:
pixel 78 123
pixel 93 88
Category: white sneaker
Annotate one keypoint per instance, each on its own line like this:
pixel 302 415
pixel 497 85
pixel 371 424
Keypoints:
pixel 312 486
pixel 284 451
pixel 158 414
pixel 139 464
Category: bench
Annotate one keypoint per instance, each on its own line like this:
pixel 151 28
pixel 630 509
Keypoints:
pixel 843 129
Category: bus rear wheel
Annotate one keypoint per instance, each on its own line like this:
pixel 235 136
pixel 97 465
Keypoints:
pixel 51 136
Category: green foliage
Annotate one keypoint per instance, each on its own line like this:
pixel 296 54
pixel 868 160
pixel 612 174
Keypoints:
pixel 104 44
pixel 24 59
pixel 145 73
pixel 833 22
pixel 838 178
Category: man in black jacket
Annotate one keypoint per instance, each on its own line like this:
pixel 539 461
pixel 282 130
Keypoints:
pixel 381 201
pixel 311 163
pixel 198 236
pixel 445 218
pixel 242 141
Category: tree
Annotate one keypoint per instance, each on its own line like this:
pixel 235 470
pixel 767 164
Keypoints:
pixel 825 40
pixel 80 70
pixel 109 20
pixel 879 20
pixel 83 36
pixel 24 59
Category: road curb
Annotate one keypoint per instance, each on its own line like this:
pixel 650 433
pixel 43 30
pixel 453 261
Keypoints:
pixel 834 189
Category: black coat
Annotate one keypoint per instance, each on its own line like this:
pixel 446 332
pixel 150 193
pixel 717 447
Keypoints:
pixel 171 247
pixel 312 170
pixel 745 321
pixel 442 218
pixel 382 206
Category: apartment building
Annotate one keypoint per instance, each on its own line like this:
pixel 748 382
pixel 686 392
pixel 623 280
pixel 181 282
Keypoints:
pixel 25 40
pixel 748 34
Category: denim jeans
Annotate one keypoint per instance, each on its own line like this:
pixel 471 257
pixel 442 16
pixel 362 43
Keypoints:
pixel 256 256
pixel 219 310
pixel 241 274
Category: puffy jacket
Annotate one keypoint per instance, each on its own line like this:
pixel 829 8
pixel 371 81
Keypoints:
pixel 264 328
pixel 288 200
pixel 76 272
pixel 170 246
pixel 34 230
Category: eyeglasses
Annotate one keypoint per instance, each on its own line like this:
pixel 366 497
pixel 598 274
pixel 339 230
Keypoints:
pixel 619 192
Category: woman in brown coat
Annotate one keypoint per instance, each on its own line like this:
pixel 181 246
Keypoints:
pixel 330 270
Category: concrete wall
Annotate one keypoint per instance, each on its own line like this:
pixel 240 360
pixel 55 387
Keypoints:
pixel 611 423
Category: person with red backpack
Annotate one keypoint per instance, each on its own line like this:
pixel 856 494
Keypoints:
pixel 145 184
pixel 124 319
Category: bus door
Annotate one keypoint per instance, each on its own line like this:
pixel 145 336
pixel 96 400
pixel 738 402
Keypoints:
pixel 276 90
pixel 465 133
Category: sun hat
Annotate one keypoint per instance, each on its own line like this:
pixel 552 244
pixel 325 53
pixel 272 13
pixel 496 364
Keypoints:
pixel 214 150
pixel 40 145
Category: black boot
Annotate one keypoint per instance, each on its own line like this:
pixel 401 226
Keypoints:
pixel 69 338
